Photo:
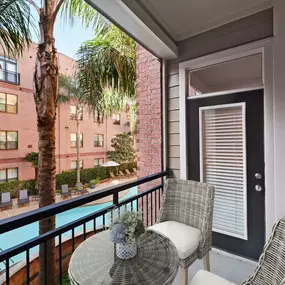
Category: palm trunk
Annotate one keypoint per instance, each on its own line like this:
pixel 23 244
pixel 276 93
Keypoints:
pixel 45 94
pixel 78 145
pixel 36 181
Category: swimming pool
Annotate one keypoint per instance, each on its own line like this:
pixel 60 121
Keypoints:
pixel 30 231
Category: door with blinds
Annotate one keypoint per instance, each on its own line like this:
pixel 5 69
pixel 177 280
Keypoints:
pixel 226 149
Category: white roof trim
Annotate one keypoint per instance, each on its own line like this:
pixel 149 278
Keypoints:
pixel 147 33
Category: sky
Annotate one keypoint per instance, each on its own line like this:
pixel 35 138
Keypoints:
pixel 67 38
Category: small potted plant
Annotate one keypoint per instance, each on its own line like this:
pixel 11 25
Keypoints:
pixel 124 232
pixel 93 182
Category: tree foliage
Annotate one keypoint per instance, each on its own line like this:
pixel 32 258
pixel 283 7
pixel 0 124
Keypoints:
pixel 15 24
pixel 107 69
pixel 123 148
pixel 33 157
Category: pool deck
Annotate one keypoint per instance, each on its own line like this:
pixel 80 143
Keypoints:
pixel 35 204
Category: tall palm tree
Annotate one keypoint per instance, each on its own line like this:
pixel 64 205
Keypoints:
pixel 15 21
pixel 45 97
pixel 71 92
pixel 107 68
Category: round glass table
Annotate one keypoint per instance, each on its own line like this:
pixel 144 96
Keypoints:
pixel 94 262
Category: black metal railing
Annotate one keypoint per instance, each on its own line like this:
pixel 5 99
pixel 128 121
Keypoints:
pixel 10 76
pixel 148 202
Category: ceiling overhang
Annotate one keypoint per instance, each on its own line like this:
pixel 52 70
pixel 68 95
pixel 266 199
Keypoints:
pixel 136 22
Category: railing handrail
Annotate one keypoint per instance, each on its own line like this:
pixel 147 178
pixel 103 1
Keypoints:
pixel 8 253
pixel 51 210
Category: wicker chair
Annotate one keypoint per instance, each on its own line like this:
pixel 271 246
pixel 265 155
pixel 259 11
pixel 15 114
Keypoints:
pixel 270 269
pixel 186 219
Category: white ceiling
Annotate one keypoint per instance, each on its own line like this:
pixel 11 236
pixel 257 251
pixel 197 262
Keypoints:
pixel 185 18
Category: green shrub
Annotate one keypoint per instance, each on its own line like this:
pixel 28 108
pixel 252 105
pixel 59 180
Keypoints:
pixel 66 177
pixel 11 186
pixel 129 165
pixel 94 181
pixel 30 185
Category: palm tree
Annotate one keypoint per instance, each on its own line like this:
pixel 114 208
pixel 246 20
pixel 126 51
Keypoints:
pixel 107 68
pixel 15 21
pixel 45 97
pixel 71 92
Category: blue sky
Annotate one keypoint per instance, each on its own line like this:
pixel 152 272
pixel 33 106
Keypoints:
pixel 67 38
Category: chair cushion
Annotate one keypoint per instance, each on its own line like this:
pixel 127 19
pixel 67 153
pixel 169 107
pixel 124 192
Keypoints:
pixel 185 238
pixel 203 277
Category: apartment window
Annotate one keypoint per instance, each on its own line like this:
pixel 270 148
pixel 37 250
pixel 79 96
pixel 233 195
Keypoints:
pixel 73 140
pixel 98 140
pixel 8 140
pixel 98 118
pixel 98 161
pixel 73 164
pixel 116 119
pixel 8 103
pixel 72 113
pixel 8 70
pixel 8 174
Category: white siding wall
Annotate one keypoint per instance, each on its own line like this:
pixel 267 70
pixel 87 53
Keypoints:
pixel 243 31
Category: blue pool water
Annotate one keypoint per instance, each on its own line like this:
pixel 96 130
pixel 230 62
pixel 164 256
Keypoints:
pixel 30 231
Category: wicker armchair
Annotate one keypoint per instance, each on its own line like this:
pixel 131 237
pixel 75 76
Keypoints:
pixel 186 218
pixel 270 269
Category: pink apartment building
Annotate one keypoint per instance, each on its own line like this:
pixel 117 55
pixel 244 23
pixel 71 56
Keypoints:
pixel 18 123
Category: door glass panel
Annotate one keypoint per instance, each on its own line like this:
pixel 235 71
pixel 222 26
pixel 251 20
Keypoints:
pixel 223 165
pixel 240 73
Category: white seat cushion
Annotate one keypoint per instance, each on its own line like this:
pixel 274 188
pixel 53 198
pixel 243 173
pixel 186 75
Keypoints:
pixel 185 238
pixel 207 278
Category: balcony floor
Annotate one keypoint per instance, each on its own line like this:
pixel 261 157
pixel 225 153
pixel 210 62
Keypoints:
pixel 233 269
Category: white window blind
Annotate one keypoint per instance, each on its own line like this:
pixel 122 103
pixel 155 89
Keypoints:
pixel 223 164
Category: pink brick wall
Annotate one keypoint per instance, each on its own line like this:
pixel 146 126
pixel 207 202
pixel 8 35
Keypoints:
pixel 149 123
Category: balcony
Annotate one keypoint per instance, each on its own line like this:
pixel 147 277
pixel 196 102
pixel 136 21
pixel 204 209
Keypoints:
pixel 70 235
pixel 10 77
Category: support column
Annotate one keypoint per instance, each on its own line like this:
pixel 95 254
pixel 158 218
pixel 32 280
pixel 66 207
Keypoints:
pixel 279 106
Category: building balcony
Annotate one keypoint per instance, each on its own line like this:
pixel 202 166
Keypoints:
pixel 10 77
pixel 19 262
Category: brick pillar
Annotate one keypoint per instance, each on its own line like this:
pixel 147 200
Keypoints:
pixel 149 121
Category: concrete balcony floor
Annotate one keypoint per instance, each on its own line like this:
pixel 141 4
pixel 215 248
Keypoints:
pixel 230 267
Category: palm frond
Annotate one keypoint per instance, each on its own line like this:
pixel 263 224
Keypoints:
pixel 109 60
pixel 79 9
pixel 15 24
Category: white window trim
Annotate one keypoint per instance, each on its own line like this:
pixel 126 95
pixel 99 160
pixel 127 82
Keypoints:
pixel 265 47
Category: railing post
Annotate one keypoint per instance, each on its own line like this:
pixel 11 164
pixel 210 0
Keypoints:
pixel 116 198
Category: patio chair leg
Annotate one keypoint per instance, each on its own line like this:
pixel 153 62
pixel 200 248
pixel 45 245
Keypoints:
pixel 206 261
pixel 184 276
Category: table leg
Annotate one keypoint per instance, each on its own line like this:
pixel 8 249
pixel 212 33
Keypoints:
pixel 184 276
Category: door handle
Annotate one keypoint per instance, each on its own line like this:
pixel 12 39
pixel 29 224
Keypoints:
pixel 258 188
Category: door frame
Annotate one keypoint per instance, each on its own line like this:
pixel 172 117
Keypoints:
pixel 265 48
